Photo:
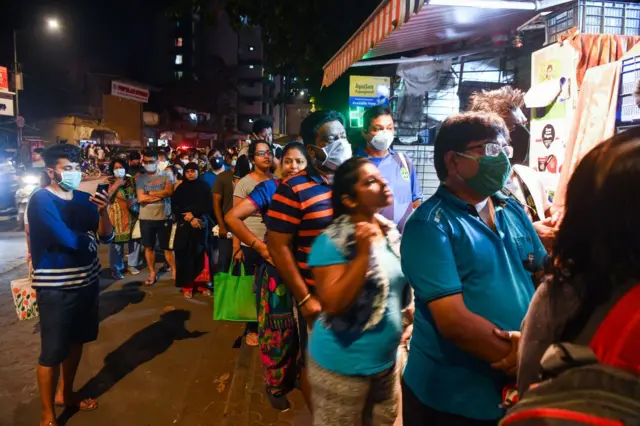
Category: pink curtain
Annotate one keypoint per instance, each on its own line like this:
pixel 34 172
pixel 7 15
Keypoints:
pixel 598 73
pixel 597 49
pixel 593 122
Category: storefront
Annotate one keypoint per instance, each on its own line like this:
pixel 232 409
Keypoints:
pixel 435 54
pixel 452 48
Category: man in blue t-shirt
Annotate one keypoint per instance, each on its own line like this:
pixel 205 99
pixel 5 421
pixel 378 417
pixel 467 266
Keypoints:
pixel 469 253
pixel 65 227
pixel 378 130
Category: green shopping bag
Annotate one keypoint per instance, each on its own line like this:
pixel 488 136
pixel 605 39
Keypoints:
pixel 233 297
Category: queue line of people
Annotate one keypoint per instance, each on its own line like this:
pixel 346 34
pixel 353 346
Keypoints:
pixel 472 254
pixel 345 273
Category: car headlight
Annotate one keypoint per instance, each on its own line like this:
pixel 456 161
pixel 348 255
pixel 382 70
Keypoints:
pixel 30 180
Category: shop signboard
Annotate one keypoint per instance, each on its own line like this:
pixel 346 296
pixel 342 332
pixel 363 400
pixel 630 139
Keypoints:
pixel 367 91
pixel 6 104
pixel 550 126
pixel 129 91
pixel 4 79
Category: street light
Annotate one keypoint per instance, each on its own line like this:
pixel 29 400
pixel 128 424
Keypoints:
pixel 53 25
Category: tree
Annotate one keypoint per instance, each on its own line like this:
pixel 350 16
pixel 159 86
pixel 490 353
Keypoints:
pixel 299 36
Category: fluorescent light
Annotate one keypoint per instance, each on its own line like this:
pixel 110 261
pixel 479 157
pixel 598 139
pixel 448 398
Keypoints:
pixel 486 4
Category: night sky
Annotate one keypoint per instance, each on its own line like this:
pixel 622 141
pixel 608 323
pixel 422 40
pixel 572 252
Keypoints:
pixel 98 36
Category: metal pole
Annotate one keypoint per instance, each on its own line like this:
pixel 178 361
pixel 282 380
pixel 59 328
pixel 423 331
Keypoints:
pixel 15 79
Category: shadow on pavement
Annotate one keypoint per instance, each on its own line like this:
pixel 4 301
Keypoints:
pixel 114 302
pixel 142 347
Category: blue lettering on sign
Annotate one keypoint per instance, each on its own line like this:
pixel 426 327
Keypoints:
pixel 359 101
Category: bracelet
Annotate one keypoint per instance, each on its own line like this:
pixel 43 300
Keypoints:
pixel 304 301
pixel 253 243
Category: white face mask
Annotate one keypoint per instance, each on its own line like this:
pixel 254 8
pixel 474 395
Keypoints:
pixel 151 168
pixel 119 173
pixel 162 165
pixel 382 140
pixel 337 153
pixel 233 163
pixel 184 161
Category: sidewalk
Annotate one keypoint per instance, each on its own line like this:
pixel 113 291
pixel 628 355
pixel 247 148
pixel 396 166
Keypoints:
pixel 159 360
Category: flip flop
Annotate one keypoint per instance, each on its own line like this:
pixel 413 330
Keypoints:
pixel 83 405
pixel 149 282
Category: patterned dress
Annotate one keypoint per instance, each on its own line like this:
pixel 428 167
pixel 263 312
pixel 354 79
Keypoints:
pixel 122 217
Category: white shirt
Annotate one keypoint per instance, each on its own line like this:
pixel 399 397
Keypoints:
pixel 530 178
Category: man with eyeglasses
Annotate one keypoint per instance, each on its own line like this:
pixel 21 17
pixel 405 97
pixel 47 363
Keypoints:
pixel 469 253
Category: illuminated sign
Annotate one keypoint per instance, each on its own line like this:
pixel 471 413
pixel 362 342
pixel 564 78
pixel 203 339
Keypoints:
pixel 365 91
pixel 128 91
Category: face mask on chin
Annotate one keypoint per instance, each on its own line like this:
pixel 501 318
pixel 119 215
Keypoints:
pixel 151 168
pixel 382 140
pixel 336 153
pixel 492 175
pixel 68 180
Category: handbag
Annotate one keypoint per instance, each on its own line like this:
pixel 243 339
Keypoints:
pixel 24 299
pixel 135 232
pixel 233 297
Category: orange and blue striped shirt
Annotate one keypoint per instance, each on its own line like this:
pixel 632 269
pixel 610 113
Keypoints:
pixel 301 207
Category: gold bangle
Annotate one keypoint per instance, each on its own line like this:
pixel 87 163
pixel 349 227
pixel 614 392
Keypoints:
pixel 305 300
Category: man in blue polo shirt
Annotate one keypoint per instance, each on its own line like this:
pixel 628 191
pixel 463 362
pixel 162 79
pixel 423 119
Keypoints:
pixel 395 167
pixel 469 253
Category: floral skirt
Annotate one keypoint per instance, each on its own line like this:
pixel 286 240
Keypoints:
pixel 277 333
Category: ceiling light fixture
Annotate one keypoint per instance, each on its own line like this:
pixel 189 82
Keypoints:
pixel 486 4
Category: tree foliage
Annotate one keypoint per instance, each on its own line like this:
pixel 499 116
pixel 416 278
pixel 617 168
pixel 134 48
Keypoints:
pixel 300 36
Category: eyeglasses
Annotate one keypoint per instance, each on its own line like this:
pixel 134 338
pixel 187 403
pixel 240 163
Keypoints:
pixel 493 149
pixel 264 153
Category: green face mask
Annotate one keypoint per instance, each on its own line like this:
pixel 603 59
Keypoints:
pixel 492 174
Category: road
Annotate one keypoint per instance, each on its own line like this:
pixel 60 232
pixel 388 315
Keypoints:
pixel 159 360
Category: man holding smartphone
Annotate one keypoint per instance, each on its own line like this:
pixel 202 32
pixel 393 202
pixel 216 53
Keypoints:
pixel 154 191
pixel 68 225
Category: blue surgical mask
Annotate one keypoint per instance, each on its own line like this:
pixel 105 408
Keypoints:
pixel 69 180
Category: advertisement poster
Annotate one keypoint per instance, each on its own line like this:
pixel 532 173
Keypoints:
pixel 367 91
pixel 4 79
pixel 550 125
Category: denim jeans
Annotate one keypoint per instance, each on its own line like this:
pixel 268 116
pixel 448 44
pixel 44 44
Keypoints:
pixel 116 255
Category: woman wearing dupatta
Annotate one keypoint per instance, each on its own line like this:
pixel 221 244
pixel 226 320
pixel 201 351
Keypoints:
pixel 122 213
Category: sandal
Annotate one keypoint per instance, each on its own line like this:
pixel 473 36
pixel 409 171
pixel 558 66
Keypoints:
pixel 206 292
pixel 149 282
pixel 87 404
pixel 188 294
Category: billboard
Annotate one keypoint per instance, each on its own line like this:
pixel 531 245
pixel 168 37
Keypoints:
pixel 366 91
pixel 129 91
pixel 4 79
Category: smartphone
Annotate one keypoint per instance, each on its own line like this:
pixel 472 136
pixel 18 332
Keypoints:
pixel 102 187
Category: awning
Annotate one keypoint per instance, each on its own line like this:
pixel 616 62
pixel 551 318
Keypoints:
pixel 398 26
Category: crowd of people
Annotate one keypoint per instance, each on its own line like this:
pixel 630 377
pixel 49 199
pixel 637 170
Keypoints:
pixel 350 265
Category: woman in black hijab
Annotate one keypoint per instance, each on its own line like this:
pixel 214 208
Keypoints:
pixel 192 209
